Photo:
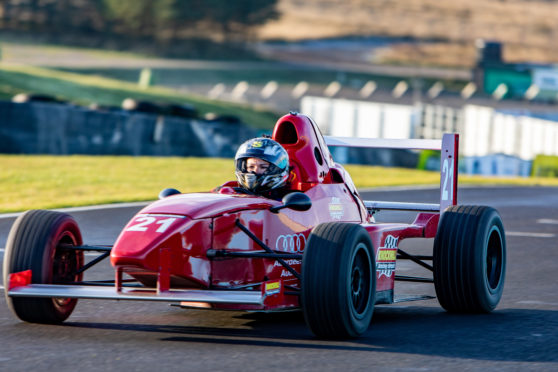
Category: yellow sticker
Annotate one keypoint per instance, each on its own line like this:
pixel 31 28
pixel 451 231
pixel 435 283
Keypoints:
pixel 272 286
pixel 257 144
pixel 387 255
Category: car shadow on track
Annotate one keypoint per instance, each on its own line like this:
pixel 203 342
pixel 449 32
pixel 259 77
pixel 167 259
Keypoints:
pixel 515 335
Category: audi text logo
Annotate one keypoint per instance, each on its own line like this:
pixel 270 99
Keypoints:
pixel 293 243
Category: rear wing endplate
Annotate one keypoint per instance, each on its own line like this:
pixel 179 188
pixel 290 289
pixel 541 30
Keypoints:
pixel 449 148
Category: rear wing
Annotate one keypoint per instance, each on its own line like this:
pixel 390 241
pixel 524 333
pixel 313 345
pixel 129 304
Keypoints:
pixel 449 147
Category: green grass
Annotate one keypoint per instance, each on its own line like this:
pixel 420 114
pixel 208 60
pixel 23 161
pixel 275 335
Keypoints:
pixel 178 76
pixel 86 89
pixel 259 73
pixel 45 182
pixel 14 48
pixel 29 182
pixel 368 176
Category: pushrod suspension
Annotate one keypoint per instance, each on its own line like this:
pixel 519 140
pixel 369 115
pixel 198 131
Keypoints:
pixel 267 249
pixel 96 248
pixel 414 259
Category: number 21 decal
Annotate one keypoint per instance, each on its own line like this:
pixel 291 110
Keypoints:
pixel 143 223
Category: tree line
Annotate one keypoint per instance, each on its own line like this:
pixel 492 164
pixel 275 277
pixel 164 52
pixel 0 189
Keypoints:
pixel 158 21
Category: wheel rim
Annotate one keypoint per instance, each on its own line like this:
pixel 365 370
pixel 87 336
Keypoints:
pixel 494 258
pixel 360 280
pixel 65 265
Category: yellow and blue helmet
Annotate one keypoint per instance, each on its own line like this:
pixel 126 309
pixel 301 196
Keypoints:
pixel 272 152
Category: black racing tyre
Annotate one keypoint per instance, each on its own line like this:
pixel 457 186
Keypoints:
pixel 469 259
pixel 36 243
pixel 338 280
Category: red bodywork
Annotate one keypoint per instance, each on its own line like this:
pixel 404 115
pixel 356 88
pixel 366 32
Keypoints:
pixel 165 246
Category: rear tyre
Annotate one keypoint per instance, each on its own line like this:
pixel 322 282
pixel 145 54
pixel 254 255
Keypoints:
pixel 36 242
pixel 469 259
pixel 338 281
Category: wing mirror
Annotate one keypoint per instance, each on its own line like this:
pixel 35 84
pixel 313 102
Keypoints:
pixel 168 192
pixel 297 201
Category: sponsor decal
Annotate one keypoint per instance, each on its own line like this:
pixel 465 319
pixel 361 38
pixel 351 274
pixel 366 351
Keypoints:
pixel 257 144
pixel 335 208
pixel 285 273
pixel 291 262
pixel 292 243
pixel 272 288
pixel 386 256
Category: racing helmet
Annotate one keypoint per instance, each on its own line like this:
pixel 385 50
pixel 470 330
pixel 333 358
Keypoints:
pixel 272 152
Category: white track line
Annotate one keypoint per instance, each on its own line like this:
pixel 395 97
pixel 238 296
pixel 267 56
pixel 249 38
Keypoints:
pixel 530 234
pixel 86 208
pixel 548 221
pixel 2 250
pixel 538 303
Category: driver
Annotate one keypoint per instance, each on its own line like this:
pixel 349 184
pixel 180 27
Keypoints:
pixel 262 167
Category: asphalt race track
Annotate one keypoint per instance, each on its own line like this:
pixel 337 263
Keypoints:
pixel 522 334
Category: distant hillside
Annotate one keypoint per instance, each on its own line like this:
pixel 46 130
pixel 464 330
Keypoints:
pixel 445 31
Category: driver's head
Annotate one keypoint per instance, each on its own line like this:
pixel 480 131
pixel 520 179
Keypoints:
pixel 257 166
pixel 261 165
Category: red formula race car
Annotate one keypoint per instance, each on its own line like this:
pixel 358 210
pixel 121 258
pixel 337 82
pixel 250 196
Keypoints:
pixel 319 249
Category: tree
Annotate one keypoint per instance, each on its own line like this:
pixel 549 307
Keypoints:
pixel 169 18
pixel 236 18
pixel 157 22
pixel 131 17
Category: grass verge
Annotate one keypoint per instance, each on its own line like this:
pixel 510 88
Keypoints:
pixel 87 89
pixel 45 182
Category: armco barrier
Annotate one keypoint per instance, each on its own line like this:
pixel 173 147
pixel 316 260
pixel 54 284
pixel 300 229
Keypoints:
pixel 46 128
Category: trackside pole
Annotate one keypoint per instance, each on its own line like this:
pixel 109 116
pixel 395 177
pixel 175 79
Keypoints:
pixel 449 170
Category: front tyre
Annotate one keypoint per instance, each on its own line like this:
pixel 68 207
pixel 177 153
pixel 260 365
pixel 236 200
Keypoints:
pixel 338 281
pixel 469 259
pixel 38 241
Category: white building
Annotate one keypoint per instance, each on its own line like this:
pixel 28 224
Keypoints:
pixel 492 142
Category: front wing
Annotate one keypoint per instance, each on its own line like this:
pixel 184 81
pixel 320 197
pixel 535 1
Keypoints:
pixel 271 294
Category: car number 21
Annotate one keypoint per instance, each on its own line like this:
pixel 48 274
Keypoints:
pixel 447 177
pixel 144 223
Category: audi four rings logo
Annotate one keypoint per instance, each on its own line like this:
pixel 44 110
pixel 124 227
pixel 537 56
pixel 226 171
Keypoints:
pixel 293 243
